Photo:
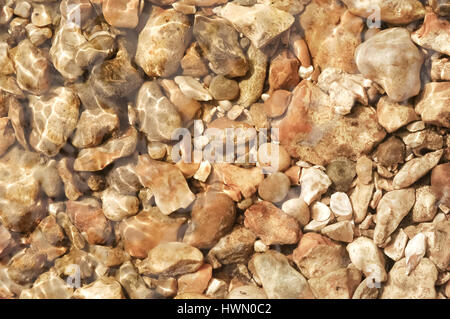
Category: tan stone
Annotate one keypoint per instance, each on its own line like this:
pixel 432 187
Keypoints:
pixel 368 258
pixel 396 247
pixel 338 284
pixel 440 183
pixel 283 72
pixel 195 282
pixel 103 288
pixel 434 34
pixel 340 231
pixel 121 13
pixel 392 115
pixel 433 104
pixel 192 62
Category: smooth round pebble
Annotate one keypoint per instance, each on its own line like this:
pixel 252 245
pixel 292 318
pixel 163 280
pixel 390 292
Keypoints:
pixel 274 188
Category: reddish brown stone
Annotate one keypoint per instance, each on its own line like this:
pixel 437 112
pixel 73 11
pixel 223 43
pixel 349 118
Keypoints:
pixel 283 71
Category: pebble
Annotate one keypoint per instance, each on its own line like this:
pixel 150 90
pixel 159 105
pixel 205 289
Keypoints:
pixel 235 247
pixel 391 152
pixel 376 57
pixel 317 255
pixel 271 224
pixel 277 103
pixel 392 115
pixel 395 249
pixel 425 208
pixel 440 68
pixel 195 282
pixel 274 188
pixel 434 34
pixel 414 252
pixel 121 13
pixel 391 209
pixel 219 44
pixel 341 172
pixel 147 229
pixel 168 196
pixel 25 267
pixel 102 288
pixel 38 35
pixel 6 134
pixel 419 284
pixel 41 15
pixel 98 157
pixel 159 52
pixel 273 157
pixel 338 284
pixel 433 104
pixel 192 62
pixel 368 258
pixel 116 206
pixel 341 206
pixel 171 259
pixel 212 217
pixel 222 88
pixel 279 279
pixel 416 168
pixel 193 88
pixel 392 11
pixel 251 86
pixel 260 23
pixel 5 241
pixel 300 49
pixel 132 282
pixel 440 183
pixel 314 183
pixel 340 231
pixel 297 208
pixel 283 72
pixel 22 9
pixel 48 286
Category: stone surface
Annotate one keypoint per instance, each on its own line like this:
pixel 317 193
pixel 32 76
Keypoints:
pixel 317 255
pixel 419 284
pixel 98 157
pixel 27 266
pixel 338 284
pixel 54 117
pixel 48 286
pixel 192 88
pixel 273 157
pixel 132 282
pixel 278 278
pixel 171 259
pixel 368 258
pixel 159 52
pixel 425 207
pixel 340 231
pixel 7 137
pixel 364 166
pixel 166 182
pixel 433 104
pixel 195 282
pixel 311 131
pixel 391 209
pixel 283 71
pixel 416 168
pixel 391 11
pixel 117 206
pixel 32 68
pixel 297 208
pixel 146 230
pixel 247 292
pixel 260 23
pixel 271 224
pixel 193 63
pixel 48 239
pixel 360 199
pixel 38 35
pixel 5 241
pixel 332 34
pixel 212 217
pixel 277 103
pixel 391 152
pixel 434 34
pixel 440 68
pixel 440 181
pixel 396 247
pixel 219 44
pixel 341 206
pixel 341 171
pixel 121 13
pixel 73 186
pixel 222 88
pixel 392 115
pixel 236 247
pixel 88 217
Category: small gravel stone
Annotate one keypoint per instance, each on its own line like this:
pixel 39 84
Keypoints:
pixel 222 88
pixel 341 172
pixel 274 188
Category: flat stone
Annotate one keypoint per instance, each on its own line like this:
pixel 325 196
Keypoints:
pixel 311 131
pixel 167 183
pixel 146 230
pixel 235 247
pixel 434 34
pixel 416 168
pixel 433 104
pixel 90 220
pixel 391 11
pixel 159 52
pixel 391 209
pixel 419 284
pixel 279 279
pixel 171 259
pixel 271 224
pixel 54 117
pixel 332 34
pixel 392 115
pixel 392 60
pixel 317 255
pixel 260 23
pixel 212 217
pixel 98 157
